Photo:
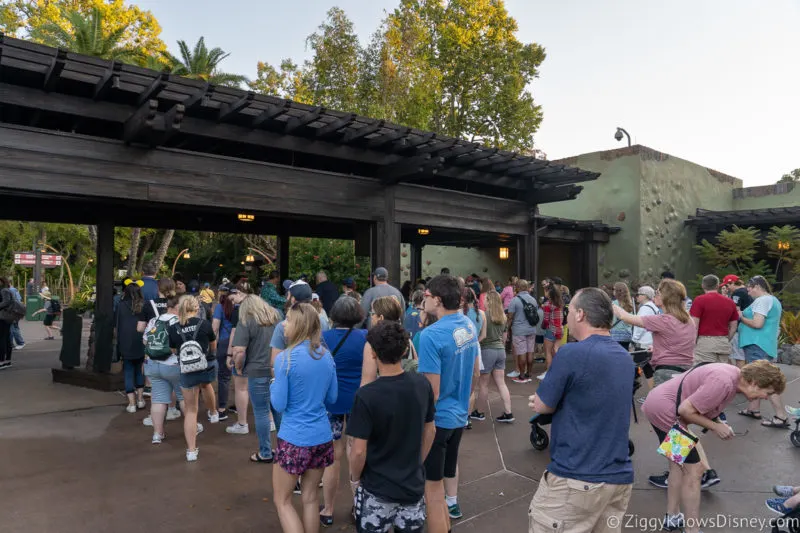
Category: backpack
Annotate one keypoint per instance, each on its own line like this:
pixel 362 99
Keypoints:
pixel 156 339
pixel 55 307
pixel 191 355
pixel 14 312
pixel 531 314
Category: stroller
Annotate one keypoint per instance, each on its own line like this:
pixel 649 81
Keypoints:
pixel 788 523
pixel 540 440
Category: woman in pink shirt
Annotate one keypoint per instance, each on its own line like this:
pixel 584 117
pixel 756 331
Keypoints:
pixel 674 332
pixel 487 286
pixel 705 391
pixel 508 292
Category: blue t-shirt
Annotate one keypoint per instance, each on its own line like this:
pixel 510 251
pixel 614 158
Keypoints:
pixel 449 348
pixel 411 322
pixel 149 289
pixel 590 384
pixel 302 387
pixel 279 338
pixel 225 325
pixel 349 360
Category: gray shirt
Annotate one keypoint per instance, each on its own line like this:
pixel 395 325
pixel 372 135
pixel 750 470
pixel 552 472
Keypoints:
pixel 520 326
pixel 379 291
pixel 255 338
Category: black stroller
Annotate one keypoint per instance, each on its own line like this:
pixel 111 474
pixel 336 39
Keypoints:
pixel 788 523
pixel 540 440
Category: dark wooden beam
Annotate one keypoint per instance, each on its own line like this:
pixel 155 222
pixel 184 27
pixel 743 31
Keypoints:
pixel 395 173
pixel 412 143
pixel 158 85
pixel 476 155
pixel 271 113
pixel 109 79
pixel 490 162
pixel 438 148
pixel 528 170
pixel 295 123
pixel 227 111
pixel 200 97
pixel 459 150
pixel 546 196
pixel 171 125
pixel 363 131
pixel 507 165
pixel 384 140
pixel 143 119
pixel 54 72
pixel 335 126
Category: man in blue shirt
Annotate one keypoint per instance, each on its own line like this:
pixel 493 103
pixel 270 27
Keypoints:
pixel 299 292
pixel 150 287
pixel 448 357
pixel 588 390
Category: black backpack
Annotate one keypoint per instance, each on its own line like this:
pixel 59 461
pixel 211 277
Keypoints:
pixel 55 307
pixel 531 314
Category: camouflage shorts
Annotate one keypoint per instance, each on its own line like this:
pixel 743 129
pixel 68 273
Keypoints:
pixel 377 516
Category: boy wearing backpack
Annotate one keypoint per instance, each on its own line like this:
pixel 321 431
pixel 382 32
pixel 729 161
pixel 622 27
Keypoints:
pixel 523 315
pixel 52 309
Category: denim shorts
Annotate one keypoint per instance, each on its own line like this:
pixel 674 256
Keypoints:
pixel 194 379
pixel 549 336
pixel 753 352
pixel 164 380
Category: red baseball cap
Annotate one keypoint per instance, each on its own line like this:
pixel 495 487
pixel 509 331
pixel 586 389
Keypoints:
pixel 730 278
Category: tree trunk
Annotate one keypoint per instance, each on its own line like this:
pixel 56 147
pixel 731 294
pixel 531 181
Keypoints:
pixel 136 234
pixel 148 243
pixel 93 236
pixel 161 253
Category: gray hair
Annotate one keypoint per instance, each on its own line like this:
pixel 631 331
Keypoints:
pixel 346 312
pixel 417 297
pixel 710 283
pixel 596 305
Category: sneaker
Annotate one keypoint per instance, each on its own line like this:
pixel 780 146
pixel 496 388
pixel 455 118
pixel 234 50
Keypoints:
pixel 794 411
pixel 673 522
pixel 541 376
pixel 148 391
pixel 777 505
pixel 131 408
pixel 223 415
pixel 784 491
pixel 232 409
pixel 200 428
pixel 5 364
pixel 297 488
pixel 659 481
pixel 157 438
pixel 505 418
pixel 148 421
pixel 477 415
pixel 709 479
pixel 238 429
pixel 191 455
pixel 173 413
pixel 513 374
pixel 272 427
pixel 519 379
pixel 140 404
pixel 469 425
pixel 528 378
pixel 723 418
pixel 19 346
pixel 213 418
pixel 454 511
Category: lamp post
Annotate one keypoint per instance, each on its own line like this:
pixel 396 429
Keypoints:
pixel 618 135
pixel 64 262
pixel 182 253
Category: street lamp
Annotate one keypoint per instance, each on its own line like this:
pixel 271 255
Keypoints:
pixel 618 135
pixel 183 253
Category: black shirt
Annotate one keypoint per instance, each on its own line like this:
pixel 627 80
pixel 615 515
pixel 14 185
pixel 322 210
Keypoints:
pixel 390 414
pixel 741 298
pixel 204 337
pixel 129 340
pixel 328 294
pixel 160 306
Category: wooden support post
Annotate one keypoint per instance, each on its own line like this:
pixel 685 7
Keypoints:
pixel 391 239
pixel 104 302
pixel 590 257
pixel 283 256
pixel 416 262
pixel 535 252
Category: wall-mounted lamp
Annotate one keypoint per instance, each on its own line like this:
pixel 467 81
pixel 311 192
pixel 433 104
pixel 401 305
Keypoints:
pixel 423 231
pixel 503 253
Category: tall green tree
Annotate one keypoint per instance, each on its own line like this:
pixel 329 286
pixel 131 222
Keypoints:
pixel 203 64
pixel 791 177
pixel 288 81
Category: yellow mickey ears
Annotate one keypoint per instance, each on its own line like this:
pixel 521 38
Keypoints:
pixel 138 282
pixel 127 282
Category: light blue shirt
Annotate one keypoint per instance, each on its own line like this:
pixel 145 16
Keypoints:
pixel 448 348
pixel 279 337
pixel 303 384
pixel 766 337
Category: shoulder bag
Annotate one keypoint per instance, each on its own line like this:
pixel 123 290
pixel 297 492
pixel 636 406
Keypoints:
pixel 679 442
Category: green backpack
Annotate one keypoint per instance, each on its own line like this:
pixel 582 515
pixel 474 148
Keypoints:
pixel 156 337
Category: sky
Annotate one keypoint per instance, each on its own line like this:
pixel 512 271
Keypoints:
pixel 715 82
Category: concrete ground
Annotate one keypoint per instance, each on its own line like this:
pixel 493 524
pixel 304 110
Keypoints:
pixel 74 461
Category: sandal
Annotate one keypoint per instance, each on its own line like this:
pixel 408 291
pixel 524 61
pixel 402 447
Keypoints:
pixel 751 414
pixel 325 520
pixel 782 424
pixel 256 458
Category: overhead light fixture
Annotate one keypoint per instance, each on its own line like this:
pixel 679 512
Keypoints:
pixel 187 255
pixel 244 217
pixel 242 262
pixel 503 253
pixel 221 265
pixel 423 231
pixel 784 246
pixel 249 258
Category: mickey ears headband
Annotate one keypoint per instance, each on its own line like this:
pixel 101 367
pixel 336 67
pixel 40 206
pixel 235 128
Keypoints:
pixel 138 282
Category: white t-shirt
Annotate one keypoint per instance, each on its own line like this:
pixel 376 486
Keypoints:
pixel 762 305
pixel 641 336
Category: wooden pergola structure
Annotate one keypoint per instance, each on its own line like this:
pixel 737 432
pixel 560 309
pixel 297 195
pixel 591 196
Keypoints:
pixel 90 141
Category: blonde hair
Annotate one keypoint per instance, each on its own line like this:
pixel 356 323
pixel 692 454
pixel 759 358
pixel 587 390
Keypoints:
pixel 305 326
pixel 521 285
pixel 254 307
pixel 188 307
pixel 494 308
pixel 624 298
pixel 673 294
pixel 388 307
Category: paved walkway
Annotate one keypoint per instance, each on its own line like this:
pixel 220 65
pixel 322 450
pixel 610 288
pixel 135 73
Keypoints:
pixel 74 461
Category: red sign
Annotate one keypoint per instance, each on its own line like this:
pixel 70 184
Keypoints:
pixel 29 259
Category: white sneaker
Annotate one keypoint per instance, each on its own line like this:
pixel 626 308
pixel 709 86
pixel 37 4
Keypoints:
pixel 131 408
pixel 271 425
pixel 157 438
pixel 19 346
pixel 238 429
pixel 173 413
pixel 541 376
pixel 513 374
pixel 213 418
pixel 140 404
pixel 200 428
pixel 191 455
pixel 148 421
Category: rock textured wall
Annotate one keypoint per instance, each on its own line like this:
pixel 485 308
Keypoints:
pixel 461 262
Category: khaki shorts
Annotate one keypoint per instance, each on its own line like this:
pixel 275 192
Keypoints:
pixel 569 505
pixel 712 350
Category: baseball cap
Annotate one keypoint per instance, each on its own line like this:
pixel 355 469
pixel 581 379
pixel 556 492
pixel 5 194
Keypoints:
pixel 349 283
pixel 648 291
pixel 730 278
pixel 381 273
pixel 286 284
pixel 301 291
pixel 314 296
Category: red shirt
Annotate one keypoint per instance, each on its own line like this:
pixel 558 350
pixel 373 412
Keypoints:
pixel 553 317
pixel 715 311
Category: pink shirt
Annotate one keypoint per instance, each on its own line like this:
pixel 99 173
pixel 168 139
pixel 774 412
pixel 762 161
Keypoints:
pixel 673 341
pixel 710 388
pixel 507 295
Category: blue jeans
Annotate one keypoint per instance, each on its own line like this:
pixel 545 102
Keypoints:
pixel 223 379
pixel 259 398
pixel 753 352
pixel 134 377
pixel 16 334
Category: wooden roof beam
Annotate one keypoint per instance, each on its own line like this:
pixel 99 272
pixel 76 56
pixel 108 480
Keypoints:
pixel 156 87
pixel 109 79
pixel 294 124
pixel 335 126
pixel 528 169
pixel 409 144
pixel 229 110
pixel 458 151
pixel 384 140
pixel 54 72
pixel 475 155
pixel 360 133
pixel 199 98
pixel 392 174
pixel 438 148
pixel 141 120
pixel 489 162
pixel 171 125
pixel 508 165
pixel 270 113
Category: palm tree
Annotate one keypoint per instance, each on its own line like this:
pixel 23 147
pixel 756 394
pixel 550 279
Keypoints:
pixel 203 64
pixel 84 34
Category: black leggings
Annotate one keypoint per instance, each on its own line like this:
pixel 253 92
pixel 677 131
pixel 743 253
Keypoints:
pixel 5 341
